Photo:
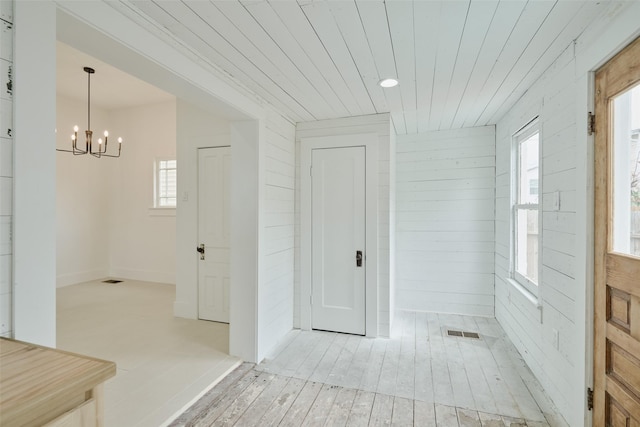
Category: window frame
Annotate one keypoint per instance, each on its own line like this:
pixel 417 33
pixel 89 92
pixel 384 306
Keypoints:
pixel 523 134
pixel 156 183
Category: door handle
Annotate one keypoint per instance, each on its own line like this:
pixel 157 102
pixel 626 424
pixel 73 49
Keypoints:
pixel 358 258
pixel 201 250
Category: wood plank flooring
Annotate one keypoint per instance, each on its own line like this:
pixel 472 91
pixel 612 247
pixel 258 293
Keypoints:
pixel 420 377
pixel 252 398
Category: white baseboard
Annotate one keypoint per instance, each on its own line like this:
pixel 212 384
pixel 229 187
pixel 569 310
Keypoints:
pixel 143 275
pixel 183 309
pixel 68 279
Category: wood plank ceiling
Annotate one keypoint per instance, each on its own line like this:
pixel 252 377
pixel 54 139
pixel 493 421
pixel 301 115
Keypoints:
pixel 460 63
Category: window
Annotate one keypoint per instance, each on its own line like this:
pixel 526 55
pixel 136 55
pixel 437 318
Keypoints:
pixel 165 184
pixel 526 208
pixel 626 172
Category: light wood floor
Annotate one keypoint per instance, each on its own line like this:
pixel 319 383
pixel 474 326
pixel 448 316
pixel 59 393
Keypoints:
pixel 421 376
pixel 164 363
pixel 248 397
pixel 422 363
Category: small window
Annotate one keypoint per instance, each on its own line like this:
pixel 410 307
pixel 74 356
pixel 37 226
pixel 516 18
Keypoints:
pixel 165 184
pixel 525 206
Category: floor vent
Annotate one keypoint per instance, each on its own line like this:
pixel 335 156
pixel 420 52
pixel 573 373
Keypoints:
pixel 462 334
pixel 111 281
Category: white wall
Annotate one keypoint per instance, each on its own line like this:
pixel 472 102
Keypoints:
pixel 6 169
pixel 83 198
pixel 34 196
pixel 142 240
pixel 561 98
pixel 445 221
pixel 379 124
pixel 195 128
pixel 105 226
pixel 99 28
pixel 278 229
pixel 262 204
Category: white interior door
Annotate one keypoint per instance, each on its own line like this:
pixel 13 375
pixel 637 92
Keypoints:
pixel 214 166
pixel 338 239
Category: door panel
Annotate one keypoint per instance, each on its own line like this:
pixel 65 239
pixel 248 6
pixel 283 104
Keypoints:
pixel 338 233
pixel 617 241
pixel 213 231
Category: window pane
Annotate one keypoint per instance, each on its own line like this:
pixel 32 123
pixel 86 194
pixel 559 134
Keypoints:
pixel 527 243
pixel 166 183
pixel 528 170
pixel 626 172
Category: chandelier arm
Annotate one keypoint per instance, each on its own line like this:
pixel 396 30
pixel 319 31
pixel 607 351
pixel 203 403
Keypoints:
pixel 69 151
pixel 110 155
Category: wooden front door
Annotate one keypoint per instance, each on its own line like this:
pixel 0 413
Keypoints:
pixel 617 241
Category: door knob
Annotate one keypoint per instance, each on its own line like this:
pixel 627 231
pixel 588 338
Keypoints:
pixel 201 250
pixel 358 258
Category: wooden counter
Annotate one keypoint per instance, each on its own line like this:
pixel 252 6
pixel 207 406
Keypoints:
pixel 43 386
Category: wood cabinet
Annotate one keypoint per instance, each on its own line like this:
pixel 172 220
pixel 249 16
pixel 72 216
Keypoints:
pixel 43 386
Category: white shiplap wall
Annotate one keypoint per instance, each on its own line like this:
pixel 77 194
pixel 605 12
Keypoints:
pixel 276 289
pixel 561 98
pixel 445 221
pixel 6 167
pixel 529 327
pixel 380 124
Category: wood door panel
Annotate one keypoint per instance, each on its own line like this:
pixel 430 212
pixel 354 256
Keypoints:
pixel 619 337
pixel 616 415
pixel 620 395
pixel 619 308
pixel 624 369
pixel 616 391
pixel 623 272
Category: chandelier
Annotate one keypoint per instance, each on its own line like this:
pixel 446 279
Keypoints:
pixel 89 147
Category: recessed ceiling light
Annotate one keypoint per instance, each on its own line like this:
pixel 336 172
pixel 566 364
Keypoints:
pixel 388 82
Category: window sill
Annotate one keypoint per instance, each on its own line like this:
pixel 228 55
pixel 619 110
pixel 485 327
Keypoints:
pixel 162 211
pixel 533 299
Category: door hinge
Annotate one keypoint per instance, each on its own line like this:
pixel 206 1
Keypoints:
pixel 591 123
pixel 590 398
pixel 310 299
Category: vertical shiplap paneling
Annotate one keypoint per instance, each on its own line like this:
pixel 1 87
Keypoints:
pixel 445 221
pixel 531 328
pixel 380 124
pixel 276 290
pixel 6 167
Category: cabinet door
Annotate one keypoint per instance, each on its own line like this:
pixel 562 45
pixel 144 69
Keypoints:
pixel 82 416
